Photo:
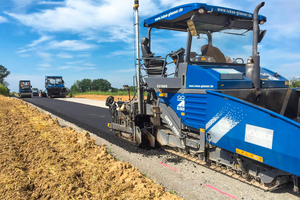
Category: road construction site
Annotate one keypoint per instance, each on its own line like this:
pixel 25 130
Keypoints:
pixel 62 152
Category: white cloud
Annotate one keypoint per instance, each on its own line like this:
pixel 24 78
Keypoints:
pixel 71 45
pixel 40 40
pixel 45 56
pixel 64 55
pixel 111 18
pixel 24 50
pixel 3 19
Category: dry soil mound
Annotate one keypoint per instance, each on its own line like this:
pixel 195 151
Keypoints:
pixel 40 159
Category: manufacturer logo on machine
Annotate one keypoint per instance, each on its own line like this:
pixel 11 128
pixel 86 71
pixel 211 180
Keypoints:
pixel 181 105
pixel 169 14
pixel 260 136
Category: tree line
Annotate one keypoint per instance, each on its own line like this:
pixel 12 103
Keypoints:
pixel 86 85
pixel 3 84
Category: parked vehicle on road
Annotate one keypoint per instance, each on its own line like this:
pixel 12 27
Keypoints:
pixel 35 92
pixel 25 89
pixel 55 86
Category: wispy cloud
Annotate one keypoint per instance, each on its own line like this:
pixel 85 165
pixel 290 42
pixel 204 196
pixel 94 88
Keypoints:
pixel 3 19
pixel 23 50
pixel 71 45
pixel 39 41
pixel 44 55
pixel 21 4
pixel 89 64
pixel 64 55
pixel 127 52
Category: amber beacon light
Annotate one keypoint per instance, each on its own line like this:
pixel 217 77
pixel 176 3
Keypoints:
pixel 136 4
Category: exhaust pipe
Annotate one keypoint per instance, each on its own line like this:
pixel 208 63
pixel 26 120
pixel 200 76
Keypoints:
pixel 255 54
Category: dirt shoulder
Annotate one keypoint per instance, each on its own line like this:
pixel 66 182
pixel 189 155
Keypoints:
pixel 40 159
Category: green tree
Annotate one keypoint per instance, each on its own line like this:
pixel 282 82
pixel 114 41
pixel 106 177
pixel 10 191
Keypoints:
pixel 114 89
pixel 75 87
pixel 100 84
pixel 85 85
pixel 3 90
pixel 295 82
pixel 3 74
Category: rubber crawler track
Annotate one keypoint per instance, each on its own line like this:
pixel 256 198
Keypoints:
pixel 232 173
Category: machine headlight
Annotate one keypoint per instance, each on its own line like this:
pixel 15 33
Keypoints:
pixel 201 11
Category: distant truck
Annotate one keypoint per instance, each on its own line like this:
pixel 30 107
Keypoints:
pixel 25 89
pixel 35 92
pixel 55 87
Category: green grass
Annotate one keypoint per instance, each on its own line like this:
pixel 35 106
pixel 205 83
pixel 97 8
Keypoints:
pixel 109 151
pixel 173 192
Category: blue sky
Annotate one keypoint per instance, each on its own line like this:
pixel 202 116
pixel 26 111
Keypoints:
pixel 94 38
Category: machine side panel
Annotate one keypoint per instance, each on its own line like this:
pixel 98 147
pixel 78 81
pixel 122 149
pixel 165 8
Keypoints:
pixel 253 132
pixel 190 108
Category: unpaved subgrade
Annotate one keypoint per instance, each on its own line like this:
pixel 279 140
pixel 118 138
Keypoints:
pixel 40 159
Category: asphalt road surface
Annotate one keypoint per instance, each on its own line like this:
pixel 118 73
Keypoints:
pixel 185 178
pixel 91 118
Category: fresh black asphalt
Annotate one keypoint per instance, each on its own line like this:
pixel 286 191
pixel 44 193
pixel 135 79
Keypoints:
pixel 91 118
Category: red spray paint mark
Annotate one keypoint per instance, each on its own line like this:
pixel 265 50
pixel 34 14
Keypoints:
pixel 220 191
pixel 168 166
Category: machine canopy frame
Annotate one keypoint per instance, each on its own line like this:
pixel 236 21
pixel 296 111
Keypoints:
pixel 213 18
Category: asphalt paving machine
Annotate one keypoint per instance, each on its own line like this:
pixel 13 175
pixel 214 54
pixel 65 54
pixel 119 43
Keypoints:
pixel 225 111
pixel 55 87
pixel 25 89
